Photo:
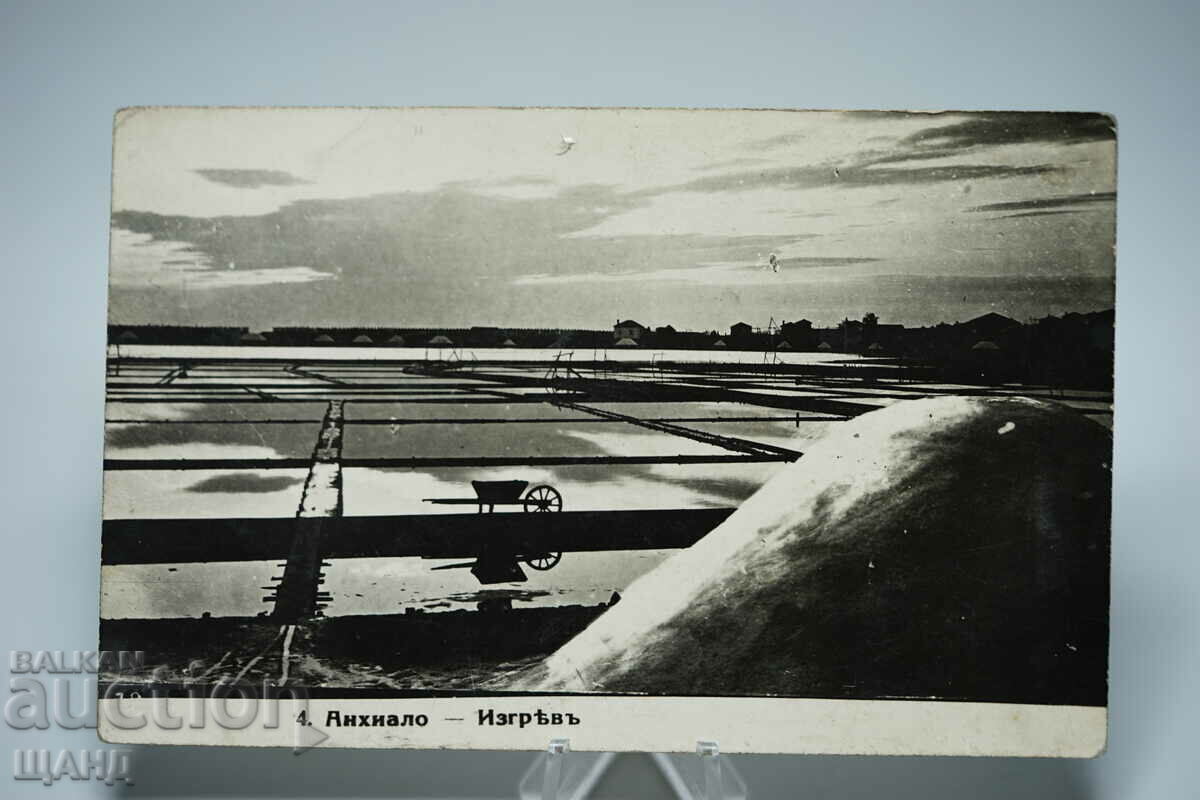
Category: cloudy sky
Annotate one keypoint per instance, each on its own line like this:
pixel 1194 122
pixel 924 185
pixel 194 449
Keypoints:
pixel 457 217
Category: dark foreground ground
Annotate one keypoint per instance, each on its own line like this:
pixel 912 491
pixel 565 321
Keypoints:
pixel 453 651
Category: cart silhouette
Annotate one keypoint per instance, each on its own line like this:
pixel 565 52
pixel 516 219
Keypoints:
pixel 540 499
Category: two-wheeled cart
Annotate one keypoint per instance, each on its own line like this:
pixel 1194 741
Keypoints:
pixel 539 499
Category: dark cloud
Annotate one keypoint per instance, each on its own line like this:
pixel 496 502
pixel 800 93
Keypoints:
pixel 1021 127
pixel 883 167
pixel 1024 214
pixel 449 235
pixel 978 130
pixel 881 176
pixel 850 176
pixel 822 261
pixel 993 129
pixel 244 483
pixel 800 177
pixel 1042 203
pixel 250 178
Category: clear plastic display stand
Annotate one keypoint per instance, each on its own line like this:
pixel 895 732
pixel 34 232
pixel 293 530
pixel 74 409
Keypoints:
pixel 559 774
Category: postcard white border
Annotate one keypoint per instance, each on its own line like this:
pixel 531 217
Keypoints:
pixel 668 724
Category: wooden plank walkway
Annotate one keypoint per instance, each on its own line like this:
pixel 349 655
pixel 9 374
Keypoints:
pixel 298 595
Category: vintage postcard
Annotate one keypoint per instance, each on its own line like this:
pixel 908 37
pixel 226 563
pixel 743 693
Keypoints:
pixel 477 428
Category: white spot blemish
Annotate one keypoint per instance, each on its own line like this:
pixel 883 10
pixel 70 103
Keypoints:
pixel 1007 427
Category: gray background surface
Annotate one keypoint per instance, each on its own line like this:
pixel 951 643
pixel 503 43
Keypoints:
pixel 67 67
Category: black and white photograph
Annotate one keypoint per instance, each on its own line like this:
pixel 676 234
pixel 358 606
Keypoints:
pixel 629 418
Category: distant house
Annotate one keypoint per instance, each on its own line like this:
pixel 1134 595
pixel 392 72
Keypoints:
pixel 740 330
pixel 628 329
pixel 990 326
pixel 800 334
pixel 665 330
pixel 857 336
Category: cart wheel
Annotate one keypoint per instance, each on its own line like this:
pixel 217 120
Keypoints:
pixel 543 498
pixel 544 561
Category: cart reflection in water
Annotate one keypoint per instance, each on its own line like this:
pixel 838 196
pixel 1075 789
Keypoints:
pixel 499 559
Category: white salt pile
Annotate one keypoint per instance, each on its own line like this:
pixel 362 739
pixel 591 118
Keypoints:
pixel 950 547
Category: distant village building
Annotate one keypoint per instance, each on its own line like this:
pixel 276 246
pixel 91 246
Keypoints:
pixel 850 333
pixel 800 333
pixel 855 336
pixel 740 330
pixel 990 326
pixel 628 329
